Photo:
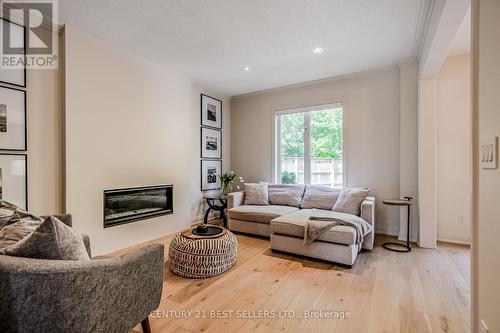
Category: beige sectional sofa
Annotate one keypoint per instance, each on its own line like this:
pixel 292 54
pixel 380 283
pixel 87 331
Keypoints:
pixel 284 220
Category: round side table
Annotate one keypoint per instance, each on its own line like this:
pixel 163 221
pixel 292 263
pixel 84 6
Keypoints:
pixel 218 203
pixel 394 246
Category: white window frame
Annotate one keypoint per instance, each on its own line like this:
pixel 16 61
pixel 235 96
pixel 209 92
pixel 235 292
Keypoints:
pixel 276 160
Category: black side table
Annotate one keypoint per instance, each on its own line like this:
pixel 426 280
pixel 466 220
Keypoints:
pixel 403 247
pixel 218 203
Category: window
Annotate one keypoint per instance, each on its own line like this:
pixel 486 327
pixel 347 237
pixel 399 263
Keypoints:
pixel 309 146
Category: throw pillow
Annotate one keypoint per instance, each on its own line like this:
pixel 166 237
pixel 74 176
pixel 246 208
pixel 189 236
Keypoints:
pixel 286 194
pixel 350 200
pixel 256 194
pixel 53 240
pixel 6 211
pixel 319 197
pixel 19 225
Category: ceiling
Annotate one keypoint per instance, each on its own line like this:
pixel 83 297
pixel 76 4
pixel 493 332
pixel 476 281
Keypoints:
pixel 212 41
pixel 461 43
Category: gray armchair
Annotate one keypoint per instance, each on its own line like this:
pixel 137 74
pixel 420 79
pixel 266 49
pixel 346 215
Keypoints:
pixel 112 294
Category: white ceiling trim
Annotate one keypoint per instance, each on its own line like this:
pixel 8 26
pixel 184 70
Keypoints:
pixel 424 18
pixel 322 82
pixel 446 20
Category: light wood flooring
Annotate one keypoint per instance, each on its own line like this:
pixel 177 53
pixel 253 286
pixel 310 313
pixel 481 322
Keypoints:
pixel 422 291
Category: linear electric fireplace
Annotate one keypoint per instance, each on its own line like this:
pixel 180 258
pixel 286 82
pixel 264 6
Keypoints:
pixel 138 203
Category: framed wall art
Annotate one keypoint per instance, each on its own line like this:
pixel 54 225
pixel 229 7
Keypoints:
pixel 210 171
pixel 211 112
pixel 211 143
pixel 12 119
pixel 14 179
pixel 16 40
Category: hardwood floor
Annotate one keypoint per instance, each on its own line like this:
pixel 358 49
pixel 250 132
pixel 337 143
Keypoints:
pixel 422 291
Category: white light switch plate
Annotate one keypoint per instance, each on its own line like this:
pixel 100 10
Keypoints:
pixel 488 152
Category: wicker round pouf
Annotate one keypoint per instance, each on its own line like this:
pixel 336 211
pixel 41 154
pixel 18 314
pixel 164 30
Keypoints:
pixel 195 257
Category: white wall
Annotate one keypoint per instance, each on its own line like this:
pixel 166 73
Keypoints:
pixel 453 150
pixel 45 139
pixel 486 244
pixel 408 146
pixel 45 145
pixel 427 171
pixel 372 135
pixel 130 122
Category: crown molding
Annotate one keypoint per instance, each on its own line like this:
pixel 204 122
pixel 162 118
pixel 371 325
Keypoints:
pixel 406 62
pixel 424 17
pixel 391 69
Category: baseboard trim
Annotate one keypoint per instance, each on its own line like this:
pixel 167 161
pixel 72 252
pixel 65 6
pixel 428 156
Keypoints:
pixel 453 241
pixel 201 221
pixel 394 234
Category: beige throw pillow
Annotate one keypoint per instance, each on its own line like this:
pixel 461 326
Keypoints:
pixel 286 194
pixel 53 240
pixel 319 197
pixel 350 199
pixel 256 194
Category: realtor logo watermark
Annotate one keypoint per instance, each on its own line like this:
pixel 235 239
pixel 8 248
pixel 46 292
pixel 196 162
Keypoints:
pixel 36 45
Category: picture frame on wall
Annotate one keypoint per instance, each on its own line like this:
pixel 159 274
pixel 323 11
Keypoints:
pixel 211 143
pixel 17 39
pixel 210 171
pixel 211 112
pixel 14 179
pixel 13 134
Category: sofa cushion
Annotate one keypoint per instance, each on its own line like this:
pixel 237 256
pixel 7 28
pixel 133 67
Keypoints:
pixel 350 199
pixel 294 225
pixel 256 194
pixel 18 226
pixel 53 240
pixel 286 194
pixel 320 197
pixel 259 214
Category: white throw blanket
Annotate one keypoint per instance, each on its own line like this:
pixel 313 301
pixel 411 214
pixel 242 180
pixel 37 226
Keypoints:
pixel 318 224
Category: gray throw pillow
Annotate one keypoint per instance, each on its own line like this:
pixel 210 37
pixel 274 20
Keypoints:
pixel 350 199
pixel 53 240
pixel 286 194
pixel 19 225
pixel 6 211
pixel 319 197
pixel 256 194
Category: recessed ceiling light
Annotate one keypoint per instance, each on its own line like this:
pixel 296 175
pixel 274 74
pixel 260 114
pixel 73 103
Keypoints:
pixel 318 50
pixel 246 68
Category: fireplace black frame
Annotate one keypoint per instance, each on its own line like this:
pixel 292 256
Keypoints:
pixel 139 217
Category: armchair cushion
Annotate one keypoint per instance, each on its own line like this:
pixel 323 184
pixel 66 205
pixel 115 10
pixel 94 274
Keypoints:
pixel 52 239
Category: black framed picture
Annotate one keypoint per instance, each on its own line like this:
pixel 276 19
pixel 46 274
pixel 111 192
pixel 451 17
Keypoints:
pixel 17 40
pixel 12 119
pixel 211 143
pixel 211 112
pixel 14 179
pixel 210 171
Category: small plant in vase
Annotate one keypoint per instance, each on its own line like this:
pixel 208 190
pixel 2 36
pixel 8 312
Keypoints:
pixel 227 180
